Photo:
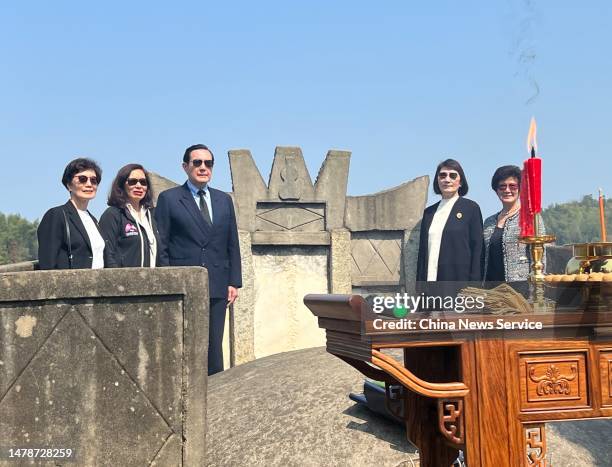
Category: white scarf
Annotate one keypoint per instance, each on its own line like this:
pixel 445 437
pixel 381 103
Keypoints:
pixel 143 219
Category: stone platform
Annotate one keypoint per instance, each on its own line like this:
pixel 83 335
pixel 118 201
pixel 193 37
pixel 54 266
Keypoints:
pixel 292 409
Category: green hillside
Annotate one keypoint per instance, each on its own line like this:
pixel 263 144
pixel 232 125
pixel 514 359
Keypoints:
pixel 17 239
pixel 577 221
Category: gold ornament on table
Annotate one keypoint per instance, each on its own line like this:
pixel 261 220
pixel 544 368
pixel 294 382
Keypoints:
pixel 590 269
pixel 593 259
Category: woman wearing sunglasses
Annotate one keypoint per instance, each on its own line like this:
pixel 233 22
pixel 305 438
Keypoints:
pixel 450 247
pixel 506 259
pixel 128 221
pixel 69 236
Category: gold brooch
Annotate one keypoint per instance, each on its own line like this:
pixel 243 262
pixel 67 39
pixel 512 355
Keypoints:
pixel 459 215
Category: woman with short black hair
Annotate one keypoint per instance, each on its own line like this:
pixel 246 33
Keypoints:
pixel 506 259
pixel 450 246
pixel 128 222
pixel 69 236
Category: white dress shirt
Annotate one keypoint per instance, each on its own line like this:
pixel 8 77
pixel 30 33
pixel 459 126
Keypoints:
pixel 435 235
pixel 194 191
pixel 96 240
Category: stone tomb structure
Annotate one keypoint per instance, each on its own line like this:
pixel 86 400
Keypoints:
pixel 299 237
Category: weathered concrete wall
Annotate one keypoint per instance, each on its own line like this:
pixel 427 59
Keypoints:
pixel 109 363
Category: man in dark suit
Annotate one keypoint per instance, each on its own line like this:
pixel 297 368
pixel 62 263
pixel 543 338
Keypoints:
pixel 197 227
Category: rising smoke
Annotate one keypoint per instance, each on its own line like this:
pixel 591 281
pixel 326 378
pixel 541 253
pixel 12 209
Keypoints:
pixel 523 48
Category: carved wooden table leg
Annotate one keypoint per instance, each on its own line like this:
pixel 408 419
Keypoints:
pixel 423 416
pixel 422 429
pixel 534 451
pixel 494 426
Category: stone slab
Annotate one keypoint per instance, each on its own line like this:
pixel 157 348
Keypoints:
pixel 283 275
pixel 398 208
pixel 159 184
pixel 242 329
pixel 290 238
pixel 248 186
pixel 110 363
pixel 340 262
pixel 331 185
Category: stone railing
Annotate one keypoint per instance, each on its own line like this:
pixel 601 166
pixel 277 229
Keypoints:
pixel 111 364
pixel 19 267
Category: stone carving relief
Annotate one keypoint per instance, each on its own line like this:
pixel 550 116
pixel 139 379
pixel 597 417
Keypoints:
pixel 290 188
pixel 304 217
pixel 376 257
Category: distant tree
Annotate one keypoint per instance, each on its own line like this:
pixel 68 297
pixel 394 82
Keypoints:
pixel 18 240
pixel 577 221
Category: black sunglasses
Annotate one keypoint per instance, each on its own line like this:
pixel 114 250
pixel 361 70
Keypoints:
pixel 452 175
pixel 134 181
pixel 208 163
pixel 83 179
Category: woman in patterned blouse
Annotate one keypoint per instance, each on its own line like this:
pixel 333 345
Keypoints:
pixel 506 259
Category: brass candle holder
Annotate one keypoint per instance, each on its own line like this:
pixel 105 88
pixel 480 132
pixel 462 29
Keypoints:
pixel 536 277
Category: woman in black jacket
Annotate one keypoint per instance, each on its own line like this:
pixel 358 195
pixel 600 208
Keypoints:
pixel 451 245
pixel 128 222
pixel 69 236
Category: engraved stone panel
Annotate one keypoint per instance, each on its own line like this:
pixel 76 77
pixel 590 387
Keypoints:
pixel 127 336
pixel 22 332
pixel 549 381
pixel 296 217
pixel 45 394
pixel 376 257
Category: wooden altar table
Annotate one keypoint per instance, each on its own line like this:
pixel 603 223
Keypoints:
pixel 486 392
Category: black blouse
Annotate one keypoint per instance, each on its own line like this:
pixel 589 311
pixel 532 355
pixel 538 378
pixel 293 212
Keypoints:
pixel 496 271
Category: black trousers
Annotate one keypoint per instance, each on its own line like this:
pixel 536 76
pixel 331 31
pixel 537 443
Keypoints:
pixel 216 325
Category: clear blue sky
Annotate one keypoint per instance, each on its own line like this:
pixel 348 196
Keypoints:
pixel 401 84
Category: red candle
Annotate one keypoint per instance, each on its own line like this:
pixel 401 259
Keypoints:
pixel 534 171
pixel 531 185
pixel 535 183
pixel 525 215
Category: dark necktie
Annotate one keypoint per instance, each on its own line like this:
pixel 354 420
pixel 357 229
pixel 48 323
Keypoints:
pixel 204 207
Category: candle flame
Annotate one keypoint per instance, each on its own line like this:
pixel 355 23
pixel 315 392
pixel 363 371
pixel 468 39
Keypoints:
pixel 532 143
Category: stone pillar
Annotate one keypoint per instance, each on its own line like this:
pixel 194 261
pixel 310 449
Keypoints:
pixel 340 262
pixel 242 326
pixel 410 253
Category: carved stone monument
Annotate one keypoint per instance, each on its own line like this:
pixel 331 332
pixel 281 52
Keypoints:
pixel 297 237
